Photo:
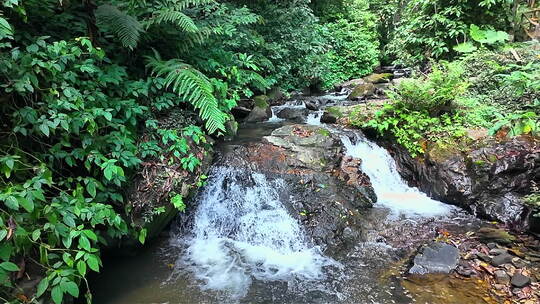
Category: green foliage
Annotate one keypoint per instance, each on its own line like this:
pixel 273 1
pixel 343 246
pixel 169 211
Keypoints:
pixel 191 86
pixel 430 29
pixel 483 37
pixel 352 42
pixel 125 27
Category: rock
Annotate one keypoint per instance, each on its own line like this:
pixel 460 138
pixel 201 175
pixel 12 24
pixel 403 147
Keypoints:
pixel 261 111
pixel 349 84
pixel 275 96
pixel 497 251
pixel 519 280
pixel 494 234
pixel 491 245
pixel 484 257
pixel 466 272
pixel 326 194
pixel 311 105
pixel 378 78
pixel 328 118
pixel 501 259
pixel 519 263
pixel 502 277
pixel 487 176
pixel 362 91
pixel 259 114
pixel 293 114
pixel 436 257
pixel 240 112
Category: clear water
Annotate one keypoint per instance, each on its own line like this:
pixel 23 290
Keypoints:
pixel 392 191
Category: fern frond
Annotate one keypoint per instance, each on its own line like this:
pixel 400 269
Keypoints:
pixel 122 25
pixel 167 15
pixel 184 4
pixel 192 86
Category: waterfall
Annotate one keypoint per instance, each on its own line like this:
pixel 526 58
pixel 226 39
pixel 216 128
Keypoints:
pixel 242 231
pixel 392 191
pixel 315 118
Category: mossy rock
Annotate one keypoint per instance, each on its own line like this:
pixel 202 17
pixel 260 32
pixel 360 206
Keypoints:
pixel 362 91
pixel 378 78
pixel 261 101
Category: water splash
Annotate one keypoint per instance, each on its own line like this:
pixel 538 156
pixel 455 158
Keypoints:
pixel 392 191
pixel 315 118
pixel 292 104
pixel 242 232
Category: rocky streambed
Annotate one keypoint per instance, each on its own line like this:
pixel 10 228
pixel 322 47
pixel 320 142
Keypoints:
pixel 296 211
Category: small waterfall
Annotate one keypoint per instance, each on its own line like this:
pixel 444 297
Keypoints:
pixel 315 118
pixel 242 231
pixel 289 104
pixel 392 191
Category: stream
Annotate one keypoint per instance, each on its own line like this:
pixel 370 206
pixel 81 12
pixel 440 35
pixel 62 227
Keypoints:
pixel 240 242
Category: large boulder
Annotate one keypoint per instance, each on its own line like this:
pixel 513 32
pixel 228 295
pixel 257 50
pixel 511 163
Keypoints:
pixel 261 111
pixel 327 193
pixel 489 177
pixel 363 91
pixel 293 114
pixel 349 85
pixel 378 78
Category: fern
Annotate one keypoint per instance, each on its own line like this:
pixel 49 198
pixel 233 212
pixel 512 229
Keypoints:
pixel 122 25
pixel 167 15
pixel 193 87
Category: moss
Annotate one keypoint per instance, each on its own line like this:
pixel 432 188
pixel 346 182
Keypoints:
pixel 335 111
pixel 324 132
pixel 261 101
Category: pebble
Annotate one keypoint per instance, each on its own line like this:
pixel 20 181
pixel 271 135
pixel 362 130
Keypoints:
pixel 497 251
pixel 502 277
pixel 492 245
pixel 519 280
pixel 519 263
pixel 501 259
pixel 483 257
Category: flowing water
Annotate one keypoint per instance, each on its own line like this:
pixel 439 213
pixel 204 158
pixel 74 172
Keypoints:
pixel 241 245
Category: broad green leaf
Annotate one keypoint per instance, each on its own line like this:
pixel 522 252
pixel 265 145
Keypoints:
pixel 27 204
pixel 57 294
pixel 3 234
pixel 84 243
pixel 71 288
pixel 8 266
pixel 93 262
pixel 81 267
pixel 42 287
pixel 466 47
pixel 142 235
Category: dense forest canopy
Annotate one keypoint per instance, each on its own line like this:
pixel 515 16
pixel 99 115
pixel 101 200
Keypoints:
pixel 82 80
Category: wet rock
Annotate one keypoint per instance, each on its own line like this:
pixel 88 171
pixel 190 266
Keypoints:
pixel 293 114
pixel 487 176
pixel 350 84
pixel 494 234
pixel 259 115
pixel 311 105
pixel 436 258
pixel 501 259
pixel 484 257
pixel 519 263
pixel 327 193
pixel 502 277
pixel 240 112
pixel 362 91
pixel 497 251
pixel 492 245
pixel 519 280
pixel 328 118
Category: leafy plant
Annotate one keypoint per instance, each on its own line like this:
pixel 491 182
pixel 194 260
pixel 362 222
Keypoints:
pixel 483 37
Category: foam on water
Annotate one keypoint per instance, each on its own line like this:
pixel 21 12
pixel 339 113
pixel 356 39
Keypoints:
pixel 242 232
pixel 392 191
pixel 315 118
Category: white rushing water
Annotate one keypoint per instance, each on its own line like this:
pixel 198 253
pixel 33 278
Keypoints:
pixel 292 104
pixel 315 118
pixel 392 191
pixel 242 232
